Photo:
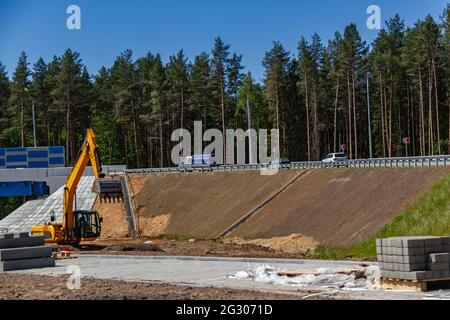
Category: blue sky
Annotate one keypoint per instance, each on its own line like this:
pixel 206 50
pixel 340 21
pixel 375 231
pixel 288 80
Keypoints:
pixel 166 26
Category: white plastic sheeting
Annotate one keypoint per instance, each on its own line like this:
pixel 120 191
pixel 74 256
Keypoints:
pixel 39 211
pixel 327 278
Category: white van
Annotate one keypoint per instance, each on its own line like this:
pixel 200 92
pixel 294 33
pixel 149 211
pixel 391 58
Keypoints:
pixel 198 161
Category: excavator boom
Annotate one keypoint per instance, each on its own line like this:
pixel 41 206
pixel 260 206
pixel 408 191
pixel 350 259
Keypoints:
pixel 81 225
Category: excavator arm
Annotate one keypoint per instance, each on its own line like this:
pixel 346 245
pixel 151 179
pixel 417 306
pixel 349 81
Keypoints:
pixel 81 225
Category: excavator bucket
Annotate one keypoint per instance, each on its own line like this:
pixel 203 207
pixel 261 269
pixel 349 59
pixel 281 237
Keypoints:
pixel 108 189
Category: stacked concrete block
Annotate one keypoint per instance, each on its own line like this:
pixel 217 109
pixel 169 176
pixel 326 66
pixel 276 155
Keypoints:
pixel 21 251
pixel 414 258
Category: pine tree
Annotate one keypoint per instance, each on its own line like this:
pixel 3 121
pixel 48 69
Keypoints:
pixel 41 97
pixel 219 63
pixel 4 97
pixel 275 63
pixel 20 102
pixel 234 82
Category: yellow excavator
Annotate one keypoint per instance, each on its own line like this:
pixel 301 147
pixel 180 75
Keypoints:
pixel 80 225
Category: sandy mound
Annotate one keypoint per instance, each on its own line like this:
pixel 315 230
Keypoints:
pixel 154 227
pixel 294 243
pixel 115 225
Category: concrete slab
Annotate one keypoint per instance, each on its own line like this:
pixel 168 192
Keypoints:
pixel 22 242
pixel 25 253
pixel 26 264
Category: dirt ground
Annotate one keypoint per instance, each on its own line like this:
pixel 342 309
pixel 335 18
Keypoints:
pixel 160 247
pixel 35 287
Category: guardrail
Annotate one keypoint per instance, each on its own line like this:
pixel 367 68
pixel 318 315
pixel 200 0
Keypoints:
pixel 409 162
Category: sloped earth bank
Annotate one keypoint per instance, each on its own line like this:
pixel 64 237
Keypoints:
pixel 341 207
pixel 35 287
pixel 335 207
pixel 201 205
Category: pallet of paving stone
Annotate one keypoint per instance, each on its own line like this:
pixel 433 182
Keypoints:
pixel 414 285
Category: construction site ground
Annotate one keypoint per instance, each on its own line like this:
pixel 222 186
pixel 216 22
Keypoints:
pixel 145 277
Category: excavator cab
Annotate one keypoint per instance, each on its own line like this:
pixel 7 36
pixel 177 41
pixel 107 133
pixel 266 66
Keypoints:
pixel 87 225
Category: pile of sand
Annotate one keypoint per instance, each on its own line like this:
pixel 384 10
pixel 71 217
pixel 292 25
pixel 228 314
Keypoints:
pixel 294 243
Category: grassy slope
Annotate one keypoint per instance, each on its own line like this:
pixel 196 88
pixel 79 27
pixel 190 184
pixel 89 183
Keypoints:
pixel 429 215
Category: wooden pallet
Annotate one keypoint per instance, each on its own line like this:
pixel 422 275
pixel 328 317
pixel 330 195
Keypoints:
pixel 412 285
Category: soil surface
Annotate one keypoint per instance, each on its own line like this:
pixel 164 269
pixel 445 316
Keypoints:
pixel 340 207
pixel 201 204
pixel 160 247
pixel 336 207
pixel 34 287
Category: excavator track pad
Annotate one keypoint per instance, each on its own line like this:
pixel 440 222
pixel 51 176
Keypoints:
pixel 108 190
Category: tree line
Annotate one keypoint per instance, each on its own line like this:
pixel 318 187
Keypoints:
pixel 316 97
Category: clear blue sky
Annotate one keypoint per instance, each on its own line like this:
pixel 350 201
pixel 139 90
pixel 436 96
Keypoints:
pixel 166 26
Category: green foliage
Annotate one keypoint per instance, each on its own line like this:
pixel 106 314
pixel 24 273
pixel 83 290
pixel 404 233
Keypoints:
pixel 316 97
pixel 8 205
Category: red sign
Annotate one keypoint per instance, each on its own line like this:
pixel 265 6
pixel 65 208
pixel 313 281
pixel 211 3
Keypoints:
pixel 406 140
pixel 343 147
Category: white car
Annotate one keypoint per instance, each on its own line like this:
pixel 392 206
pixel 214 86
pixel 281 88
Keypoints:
pixel 335 157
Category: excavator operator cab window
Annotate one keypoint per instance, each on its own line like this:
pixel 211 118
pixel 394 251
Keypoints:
pixel 87 224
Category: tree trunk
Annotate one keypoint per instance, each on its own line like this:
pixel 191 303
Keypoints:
pixel 437 106
pixel 354 114
pixel 382 115
pixel 430 111
pixel 222 101
pixel 22 130
pixel 136 145
pixel 307 118
pixel 349 98
pixel 161 141
pixel 335 114
pixel 422 116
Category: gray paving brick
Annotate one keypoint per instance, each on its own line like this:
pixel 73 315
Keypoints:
pixel 414 259
pixel 379 257
pixel 26 264
pixel 439 257
pixel 378 243
pixel 414 275
pixel 433 249
pixel 413 251
pixel 411 266
pixel 438 266
pixel 21 242
pixel 379 250
pixel 25 253
pixel 433 242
